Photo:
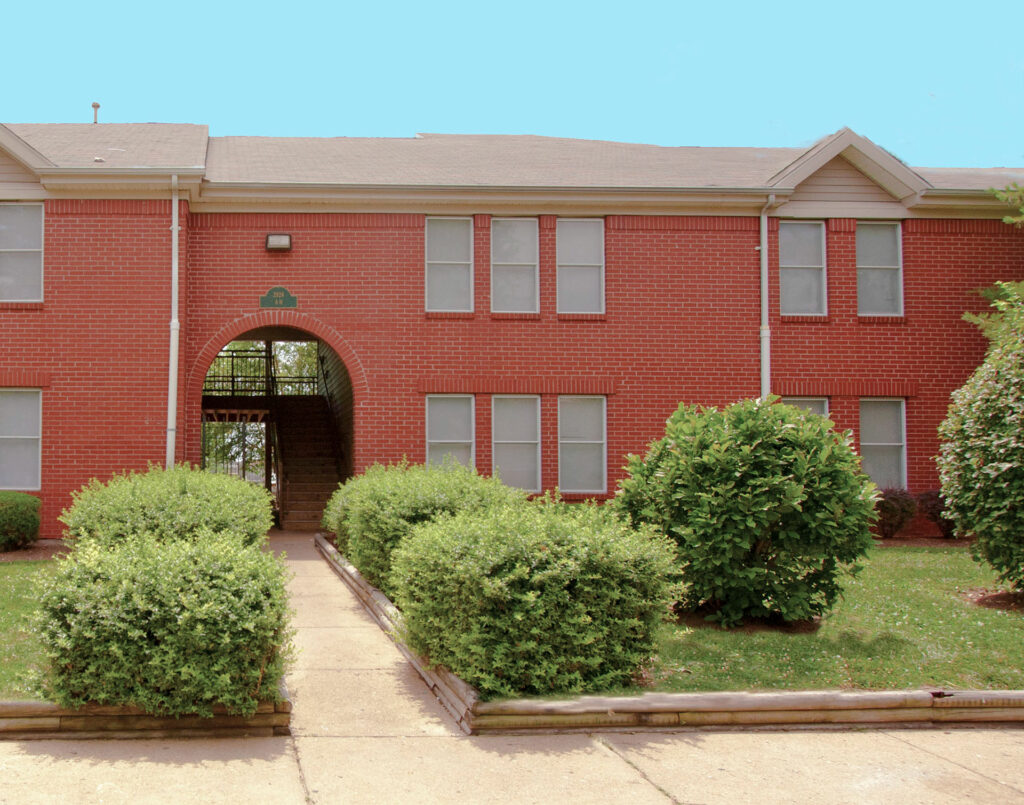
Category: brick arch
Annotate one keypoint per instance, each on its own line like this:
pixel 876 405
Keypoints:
pixel 265 318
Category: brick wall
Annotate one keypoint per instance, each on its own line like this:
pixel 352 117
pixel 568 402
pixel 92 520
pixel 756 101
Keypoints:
pixel 681 323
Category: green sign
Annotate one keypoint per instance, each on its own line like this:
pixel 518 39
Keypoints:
pixel 279 297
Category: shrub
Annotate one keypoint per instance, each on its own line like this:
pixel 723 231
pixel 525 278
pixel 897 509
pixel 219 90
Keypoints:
pixel 536 599
pixel 895 507
pixel 766 502
pixel 932 506
pixel 172 628
pixel 171 504
pixel 371 513
pixel 19 520
pixel 981 458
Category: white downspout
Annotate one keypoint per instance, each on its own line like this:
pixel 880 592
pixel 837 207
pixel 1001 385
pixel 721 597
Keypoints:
pixel 172 370
pixel 766 333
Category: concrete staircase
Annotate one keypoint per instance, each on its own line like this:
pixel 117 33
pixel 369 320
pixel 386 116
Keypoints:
pixel 310 459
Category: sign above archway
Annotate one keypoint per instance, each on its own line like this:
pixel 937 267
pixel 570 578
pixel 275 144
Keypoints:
pixel 279 297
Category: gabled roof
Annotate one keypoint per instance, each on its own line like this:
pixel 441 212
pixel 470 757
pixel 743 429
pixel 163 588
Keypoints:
pixel 876 163
pixel 102 146
pixel 20 150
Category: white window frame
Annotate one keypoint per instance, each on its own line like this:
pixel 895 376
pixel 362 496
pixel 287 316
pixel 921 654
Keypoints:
pixel 795 401
pixel 897 268
pixel 428 262
pixel 39 440
pixel 42 246
pixel 560 265
pixel 903 432
pixel 536 267
pixel 495 442
pixel 472 425
pixel 603 443
pixel 823 267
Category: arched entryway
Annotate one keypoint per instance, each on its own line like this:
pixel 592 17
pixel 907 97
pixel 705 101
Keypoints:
pixel 276 405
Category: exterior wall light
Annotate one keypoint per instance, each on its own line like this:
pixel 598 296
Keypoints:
pixel 279 243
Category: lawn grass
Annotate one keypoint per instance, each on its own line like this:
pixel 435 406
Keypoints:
pixel 901 624
pixel 19 649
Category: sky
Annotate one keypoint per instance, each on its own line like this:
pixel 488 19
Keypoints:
pixel 938 84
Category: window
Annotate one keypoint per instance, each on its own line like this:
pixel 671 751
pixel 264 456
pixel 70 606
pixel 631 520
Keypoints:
pixel 449 264
pixel 21 252
pixel 514 265
pixel 882 442
pixel 879 271
pixel 816 405
pixel 581 444
pixel 515 434
pixel 450 428
pixel 802 268
pixel 580 265
pixel 20 438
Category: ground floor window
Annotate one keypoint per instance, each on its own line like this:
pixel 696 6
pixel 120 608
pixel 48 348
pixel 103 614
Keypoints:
pixel 20 438
pixel 883 442
pixel 582 441
pixel 450 428
pixel 515 432
pixel 816 405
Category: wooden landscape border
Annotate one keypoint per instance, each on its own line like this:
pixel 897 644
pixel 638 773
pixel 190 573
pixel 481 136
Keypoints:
pixel 25 720
pixel 661 711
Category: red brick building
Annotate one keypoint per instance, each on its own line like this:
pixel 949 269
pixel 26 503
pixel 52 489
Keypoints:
pixel 532 303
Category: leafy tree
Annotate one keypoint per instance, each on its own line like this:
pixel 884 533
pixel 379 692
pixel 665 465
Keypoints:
pixel 1014 196
pixel 981 459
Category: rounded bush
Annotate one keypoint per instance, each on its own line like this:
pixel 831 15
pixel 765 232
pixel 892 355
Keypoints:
pixel 373 512
pixel 173 504
pixel 170 627
pixel 981 458
pixel 19 520
pixel 534 599
pixel 933 507
pixel 767 503
pixel 895 507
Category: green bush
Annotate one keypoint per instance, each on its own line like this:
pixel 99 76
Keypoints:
pixel 766 502
pixel 371 513
pixel 981 459
pixel 536 599
pixel 171 504
pixel 895 507
pixel 19 520
pixel 169 627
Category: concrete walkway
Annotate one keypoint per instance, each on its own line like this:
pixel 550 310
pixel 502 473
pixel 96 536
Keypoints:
pixel 366 730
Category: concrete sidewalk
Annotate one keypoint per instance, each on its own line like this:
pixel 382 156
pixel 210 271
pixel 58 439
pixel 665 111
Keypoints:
pixel 366 730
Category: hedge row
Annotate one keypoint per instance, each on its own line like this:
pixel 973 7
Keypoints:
pixel 166 602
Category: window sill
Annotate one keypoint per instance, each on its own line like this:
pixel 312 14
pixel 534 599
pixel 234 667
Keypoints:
pixel 582 317
pixel 516 316
pixel 810 318
pixel 888 319
pixel 449 314
pixel 21 306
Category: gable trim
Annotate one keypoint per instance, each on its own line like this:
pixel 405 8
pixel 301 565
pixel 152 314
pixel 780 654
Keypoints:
pixel 876 163
pixel 21 151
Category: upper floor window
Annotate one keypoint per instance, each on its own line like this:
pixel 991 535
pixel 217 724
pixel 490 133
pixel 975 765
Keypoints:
pixel 20 438
pixel 21 252
pixel 580 265
pixel 449 264
pixel 514 287
pixel 883 442
pixel 879 270
pixel 516 440
pixel 802 268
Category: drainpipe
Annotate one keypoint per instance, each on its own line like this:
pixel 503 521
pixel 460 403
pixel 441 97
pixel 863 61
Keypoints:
pixel 172 370
pixel 766 333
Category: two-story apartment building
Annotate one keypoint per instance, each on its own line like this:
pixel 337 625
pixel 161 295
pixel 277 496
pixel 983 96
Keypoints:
pixel 533 305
